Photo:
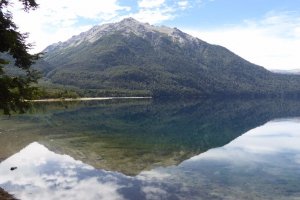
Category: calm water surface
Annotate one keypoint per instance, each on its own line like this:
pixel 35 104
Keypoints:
pixel 153 150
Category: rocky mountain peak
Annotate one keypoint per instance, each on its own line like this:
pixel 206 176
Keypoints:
pixel 126 27
pixel 129 20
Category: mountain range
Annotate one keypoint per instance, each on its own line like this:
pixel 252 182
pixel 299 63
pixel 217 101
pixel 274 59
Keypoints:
pixel 134 58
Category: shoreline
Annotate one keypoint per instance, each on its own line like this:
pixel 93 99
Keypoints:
pixel 86 99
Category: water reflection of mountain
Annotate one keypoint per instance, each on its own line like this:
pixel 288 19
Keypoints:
pixel 133 137
pixel 261 164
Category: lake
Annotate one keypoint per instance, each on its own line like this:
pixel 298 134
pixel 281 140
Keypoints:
pixel 145 149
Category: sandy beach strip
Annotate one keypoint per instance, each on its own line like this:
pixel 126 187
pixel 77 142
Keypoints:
pixel 86 99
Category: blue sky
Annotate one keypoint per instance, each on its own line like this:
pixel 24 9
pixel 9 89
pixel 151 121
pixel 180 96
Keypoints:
pixel 223 12
pixel 265 32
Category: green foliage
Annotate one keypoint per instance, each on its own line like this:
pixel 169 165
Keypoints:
pixel 14 90
pixel 47 90
pixel 56 92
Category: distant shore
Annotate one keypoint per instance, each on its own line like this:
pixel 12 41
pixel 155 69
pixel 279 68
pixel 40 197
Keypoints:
pixel 86 99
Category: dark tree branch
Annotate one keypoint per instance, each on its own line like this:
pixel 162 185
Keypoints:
pixel 14 90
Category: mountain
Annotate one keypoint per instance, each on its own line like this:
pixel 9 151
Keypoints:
pixel 134 58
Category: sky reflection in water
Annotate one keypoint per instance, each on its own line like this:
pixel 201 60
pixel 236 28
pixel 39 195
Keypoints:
pixel 263 163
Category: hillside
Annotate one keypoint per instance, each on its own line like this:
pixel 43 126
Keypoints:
pixel 130 57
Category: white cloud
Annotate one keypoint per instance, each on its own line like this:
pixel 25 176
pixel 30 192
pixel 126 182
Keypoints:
pixel 183 4
pixel 154 16
pixel 150 3
pixel 272 42
pixel 158 11
pixel 58 20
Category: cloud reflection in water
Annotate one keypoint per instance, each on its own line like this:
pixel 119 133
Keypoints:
pixel 263 163
pixel 42 174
